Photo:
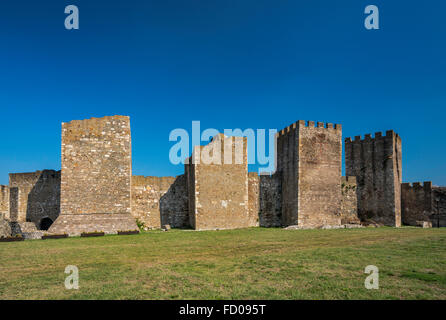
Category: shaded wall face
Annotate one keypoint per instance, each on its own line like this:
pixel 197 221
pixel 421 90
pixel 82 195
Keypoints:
pixel 376 164
pixel 34 196
pixel 96 166
pixel 416 203
pixel 221 190
pixel 288 167
pixel 270 196
pixel 157 201
pixel 439 206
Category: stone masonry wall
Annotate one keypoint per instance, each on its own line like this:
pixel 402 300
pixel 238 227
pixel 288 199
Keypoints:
pixel 349 203
pixel 376 163
pixel 35 196
pixel 270 213
pixel 157 201
pixel 219 191
pixel 439 206
pixel 253 197
pixel 96 176
pixel 310 162
pixel 4 201
pixel 416 202
pixel 96 166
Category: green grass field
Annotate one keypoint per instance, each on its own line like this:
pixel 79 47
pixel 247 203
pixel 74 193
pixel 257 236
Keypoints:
pixel 253 263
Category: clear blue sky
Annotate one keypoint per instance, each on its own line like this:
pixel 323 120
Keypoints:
pixel 228 63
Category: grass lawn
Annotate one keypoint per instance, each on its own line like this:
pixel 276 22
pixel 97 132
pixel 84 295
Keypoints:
pixel 254 263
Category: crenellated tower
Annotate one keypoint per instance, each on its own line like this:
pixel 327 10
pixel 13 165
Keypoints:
pixel 309 160
pixel 376 163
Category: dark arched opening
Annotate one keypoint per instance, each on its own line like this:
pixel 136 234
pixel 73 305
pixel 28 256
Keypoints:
pixel 45 223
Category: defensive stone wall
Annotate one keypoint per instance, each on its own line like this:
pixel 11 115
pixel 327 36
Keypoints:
pixel 416 202
pixel 96 176
pixel 376 164
pixel 310 163
pixel 158 201
pixel 270 194
pixel 218 190
pixel 35 197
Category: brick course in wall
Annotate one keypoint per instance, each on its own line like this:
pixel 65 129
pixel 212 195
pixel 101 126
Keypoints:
pixel 376 164
pixel 96 176
pixel 310 163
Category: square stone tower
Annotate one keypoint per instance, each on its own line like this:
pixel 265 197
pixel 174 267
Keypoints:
pixel 376 164
pixel 309 160
pixel 217 178
pixel 96 176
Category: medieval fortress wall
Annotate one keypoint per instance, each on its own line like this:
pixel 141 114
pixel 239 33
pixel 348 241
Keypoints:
pixel 310 164
pixel 95 190
pixel 35 196
pixel 219 198
pixel 377 164
pixel 158 201
pixel 96 176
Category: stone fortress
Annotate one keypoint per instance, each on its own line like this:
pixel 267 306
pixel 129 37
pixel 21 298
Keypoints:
pixel 95 190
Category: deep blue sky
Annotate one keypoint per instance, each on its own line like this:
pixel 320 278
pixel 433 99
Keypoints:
pixel 230 64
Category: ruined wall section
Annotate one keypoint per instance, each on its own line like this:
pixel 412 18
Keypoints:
pixel 349 203
pixel 4 201
pixel 310 163
pixel 376 163
pixel 35 196
pixel 96 176
pixel 158 201
pixel 219 196
pixel 270 194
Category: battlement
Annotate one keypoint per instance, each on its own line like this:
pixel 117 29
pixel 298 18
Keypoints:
pixel 308 124
pixel 408 185
pixel 390 134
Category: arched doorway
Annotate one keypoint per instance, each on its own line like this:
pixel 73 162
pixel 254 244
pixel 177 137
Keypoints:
pixel 45 223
